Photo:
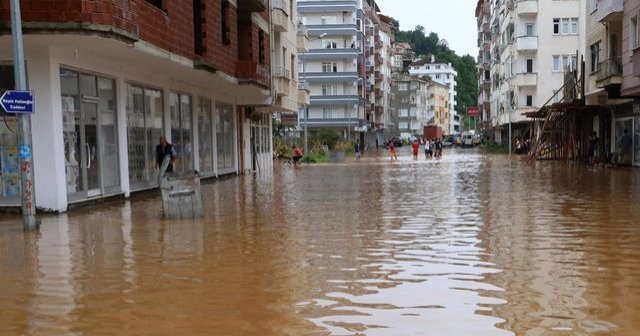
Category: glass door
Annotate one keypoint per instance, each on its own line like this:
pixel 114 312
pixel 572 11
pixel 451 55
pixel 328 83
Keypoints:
pixel 89 142
pixel 90 135
pixel 624 157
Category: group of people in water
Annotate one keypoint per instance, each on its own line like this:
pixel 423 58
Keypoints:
pixel 432 148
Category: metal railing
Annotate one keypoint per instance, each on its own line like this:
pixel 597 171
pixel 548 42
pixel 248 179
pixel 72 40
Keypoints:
pixel 282 72
pixel 610 67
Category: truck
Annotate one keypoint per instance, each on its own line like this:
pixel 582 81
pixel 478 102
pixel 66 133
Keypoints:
pixel 432 132
pixel 467 139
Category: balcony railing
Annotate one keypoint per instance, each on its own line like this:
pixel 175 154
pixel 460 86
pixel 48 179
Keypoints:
pixel 281 5
pixel 525 43
pixel 282 72
pixel 527 7
pixel 330 77
pixel 251 72
pixel 610 72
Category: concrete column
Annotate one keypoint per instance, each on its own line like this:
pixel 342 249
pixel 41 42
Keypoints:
pixel 48 143
pixel 123 143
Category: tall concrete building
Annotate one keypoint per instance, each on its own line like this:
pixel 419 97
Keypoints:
pixel 331 66
pixel 379 62
pixel 412 107
pixel 347 67
pixel 112 77
pixel 530 45
pixel 445 74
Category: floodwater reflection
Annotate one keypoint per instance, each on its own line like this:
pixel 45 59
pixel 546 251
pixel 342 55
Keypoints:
pixel 466 245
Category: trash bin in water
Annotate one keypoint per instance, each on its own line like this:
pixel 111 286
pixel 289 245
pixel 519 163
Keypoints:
pixel 181 196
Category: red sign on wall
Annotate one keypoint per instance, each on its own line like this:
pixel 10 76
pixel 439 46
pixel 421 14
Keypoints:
pixel 473 111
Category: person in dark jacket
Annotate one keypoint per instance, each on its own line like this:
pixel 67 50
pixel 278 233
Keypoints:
pixel 163 150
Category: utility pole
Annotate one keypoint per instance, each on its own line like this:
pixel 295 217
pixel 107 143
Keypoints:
pixel 24 124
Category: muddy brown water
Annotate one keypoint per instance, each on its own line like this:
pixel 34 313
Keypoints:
pixel 466 245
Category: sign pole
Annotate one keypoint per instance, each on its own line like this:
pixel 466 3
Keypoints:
pixel 24 124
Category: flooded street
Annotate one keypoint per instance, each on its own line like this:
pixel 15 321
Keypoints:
pixel 466 245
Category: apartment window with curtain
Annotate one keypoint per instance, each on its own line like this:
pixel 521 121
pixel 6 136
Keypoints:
pixel 595 56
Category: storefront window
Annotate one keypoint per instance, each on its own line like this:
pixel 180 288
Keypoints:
pixel 225 136
pixel 181 134
pixel 144 129
pixel 89 133
pixel 9 172
pixel 205 136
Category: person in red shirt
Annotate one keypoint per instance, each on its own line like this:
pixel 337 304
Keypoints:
pixel 416 149
pixel 297 154
pixel 393 150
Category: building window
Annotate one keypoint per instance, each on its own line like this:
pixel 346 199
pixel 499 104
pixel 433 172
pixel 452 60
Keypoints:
pixel 144 128
pixel 403 113
pixel 225 137
pixel 328 112
pixel 205 136
pixel 329 67
pixel 529 65
pixel 565 26
pixel 529 100
pixel 595 56
pixel 261 47
pixel 564 62
pixel 181 130
pixel 634 33
pixel 198 28
pixel 157 3
pixel 403 86
pixel 529 29
pixel 329 90
pixel 226 28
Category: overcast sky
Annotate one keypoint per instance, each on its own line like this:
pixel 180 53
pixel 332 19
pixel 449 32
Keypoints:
pixel 453 20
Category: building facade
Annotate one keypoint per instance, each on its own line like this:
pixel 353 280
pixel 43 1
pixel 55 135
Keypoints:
pixel 524 76
pixel 440 105
pixel 330 67
pixel 111 78
pixel 412 107
pixel 445 74
pixel 612 69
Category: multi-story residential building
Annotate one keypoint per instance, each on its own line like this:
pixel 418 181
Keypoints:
pixel 331 66
pixel 612 70
pixel 111 77
pixel 291 95
pixel 483 15
pixel 411 104
pixel 378 61
pixel 524 76
pixel 442 73
pixel 440 105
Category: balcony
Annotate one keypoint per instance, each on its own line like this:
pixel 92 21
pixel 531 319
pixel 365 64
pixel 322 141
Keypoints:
pixel 280 15
pixel 304 95
pixel 610 73
pixel 250 72
pixel 282 81
pixel 527 7
pixel 330 77
pixel 333 29
pixel 609 10
pixel 335 100
pixel 526 79
pixel 331 53
pixel 527 43
pixel 320 6
pixel 252 5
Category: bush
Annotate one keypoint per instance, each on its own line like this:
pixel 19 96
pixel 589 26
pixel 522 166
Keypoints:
pixel 346 146
pixel 328 137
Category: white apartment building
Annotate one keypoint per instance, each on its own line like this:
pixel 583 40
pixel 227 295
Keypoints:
pixel 330 66
pixel 412 106
pixel 532 44
pixel 442 73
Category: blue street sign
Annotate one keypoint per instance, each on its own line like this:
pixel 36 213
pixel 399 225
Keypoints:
pixel 14 101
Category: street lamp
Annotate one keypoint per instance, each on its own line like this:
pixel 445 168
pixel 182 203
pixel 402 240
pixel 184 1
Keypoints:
pixel 306 110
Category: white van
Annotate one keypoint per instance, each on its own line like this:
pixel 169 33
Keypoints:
pixel 467 139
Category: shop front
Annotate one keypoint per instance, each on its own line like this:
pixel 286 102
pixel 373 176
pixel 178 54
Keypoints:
pixel 627 131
